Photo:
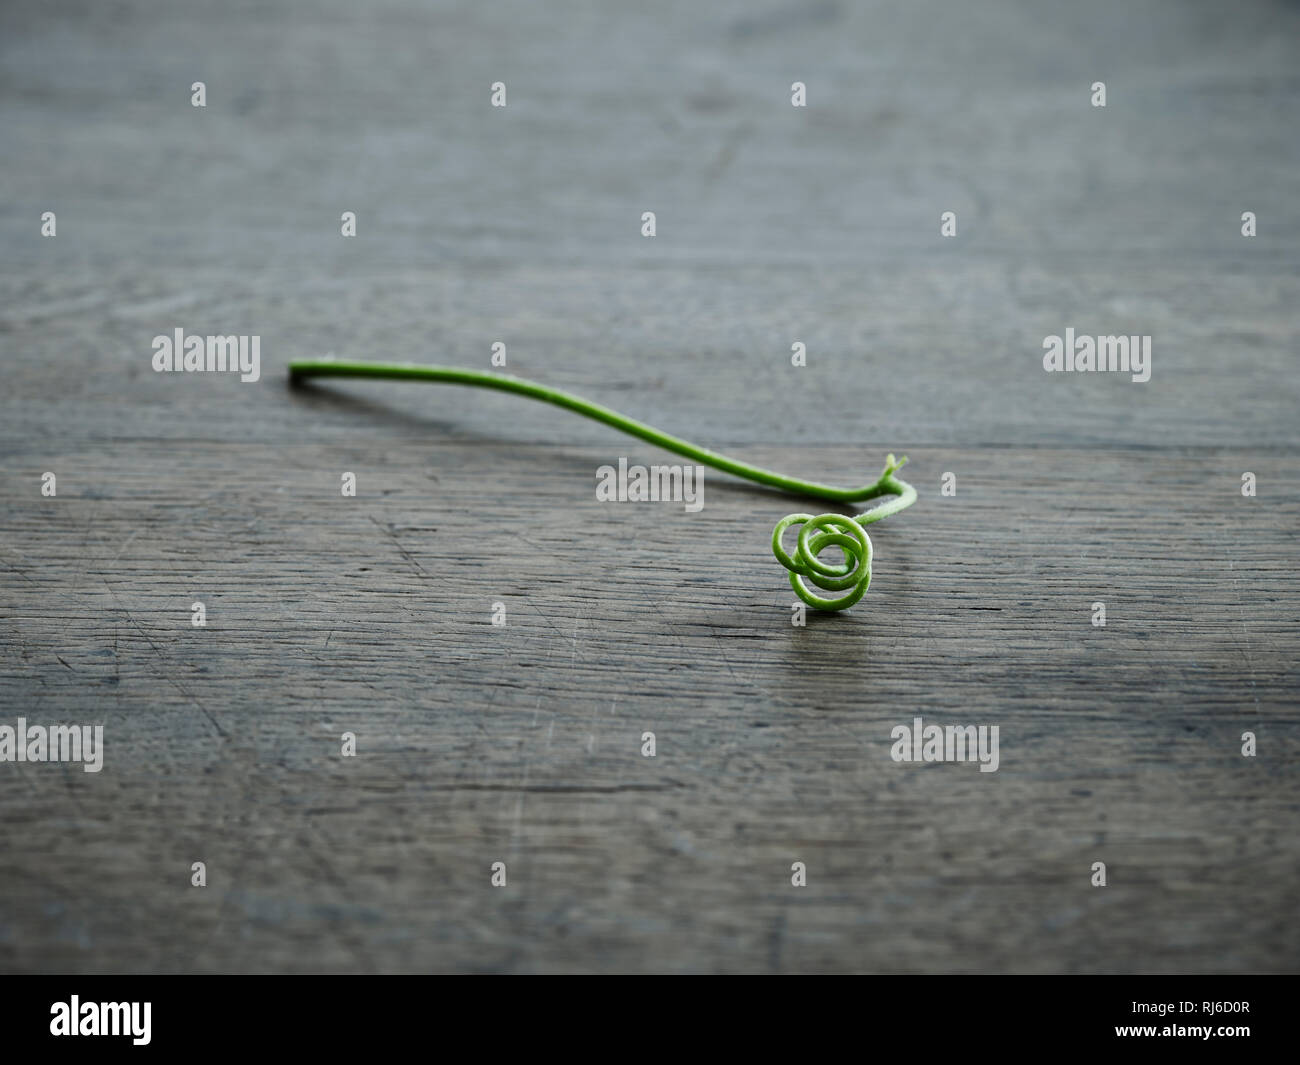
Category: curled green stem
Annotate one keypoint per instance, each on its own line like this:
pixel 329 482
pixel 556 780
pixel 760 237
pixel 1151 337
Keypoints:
pixel 818 532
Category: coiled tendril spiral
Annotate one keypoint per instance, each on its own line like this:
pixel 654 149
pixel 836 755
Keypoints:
pixel 819 531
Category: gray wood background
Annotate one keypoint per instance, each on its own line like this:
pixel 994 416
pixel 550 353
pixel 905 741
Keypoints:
pixel 521 744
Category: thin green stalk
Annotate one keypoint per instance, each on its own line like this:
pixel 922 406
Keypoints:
pixel 819 531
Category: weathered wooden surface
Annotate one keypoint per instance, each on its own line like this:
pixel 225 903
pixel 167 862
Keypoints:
pixel 522 744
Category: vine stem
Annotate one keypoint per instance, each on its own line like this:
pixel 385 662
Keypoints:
pixel 450 375
pixel 820 530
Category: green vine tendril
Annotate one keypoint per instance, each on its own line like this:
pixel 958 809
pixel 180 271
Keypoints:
pixel 818 532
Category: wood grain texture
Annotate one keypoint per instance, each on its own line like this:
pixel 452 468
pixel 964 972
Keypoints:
pixel 522 743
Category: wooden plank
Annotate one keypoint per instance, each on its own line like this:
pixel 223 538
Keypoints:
pixel 522 743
